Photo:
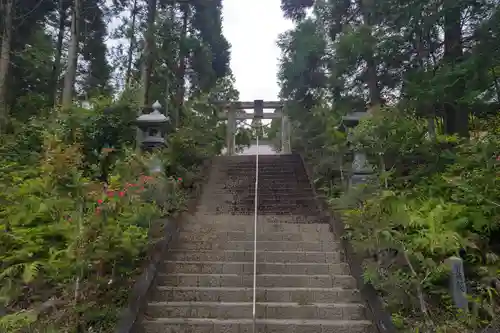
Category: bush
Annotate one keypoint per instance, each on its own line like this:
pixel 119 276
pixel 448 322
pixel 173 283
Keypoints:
pixel 70 248
pixel 429 199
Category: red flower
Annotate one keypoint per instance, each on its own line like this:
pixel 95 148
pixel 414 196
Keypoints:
pixel 100 201
pixel 110 194
pixel 179 179
pixel 121 194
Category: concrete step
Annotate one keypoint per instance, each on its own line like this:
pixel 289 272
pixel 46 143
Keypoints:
pixel 267 199
pixel 249 236
pixel 262 162
pixel 276 175
pixel 262 280
pixel 272 194
pixel 262 256
pixel 223 267
pixel 284 208
pixel 198 325
pixel 294 188
pixel 248 245
pixel 283 201
pixel 242 159
pixel 271 209
pixel 262 210
pixel 246 223
pixel 234 197
pixel 264 168
pixel 268 219
pixel 304 192
pixel 242 310
pixel 241 294
pixel 246 213
pixel 241 181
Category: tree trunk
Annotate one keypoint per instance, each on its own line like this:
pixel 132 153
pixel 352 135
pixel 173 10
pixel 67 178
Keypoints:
pixel 7 9
pixel 149 45
pixel 367 10
pixel 128 76
pixel 70 76
pixel 456 118
pixel 495 82
pixel 56 67
pixel 181 68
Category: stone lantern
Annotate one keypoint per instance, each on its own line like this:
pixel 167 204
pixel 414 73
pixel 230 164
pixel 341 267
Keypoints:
pixel 153 128
pixel 361 168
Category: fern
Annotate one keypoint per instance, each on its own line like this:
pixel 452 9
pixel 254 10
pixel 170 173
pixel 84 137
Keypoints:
pixel 17 321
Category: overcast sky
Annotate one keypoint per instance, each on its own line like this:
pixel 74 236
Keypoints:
pixel 252 27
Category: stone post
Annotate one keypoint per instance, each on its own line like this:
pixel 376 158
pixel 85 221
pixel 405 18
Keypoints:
pixel 231 131
pixel 361 169
pixel 458 288
pixel 258 115
pixel 285 134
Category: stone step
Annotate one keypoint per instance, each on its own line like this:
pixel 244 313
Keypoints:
pixel 266 210
pixel 262 256
pixel 263 157
pixel 250 179
pixel 301 195
pixel 224 267
pixel 288 184
pixel 276 176
pixel 262 280
pixel 262 166
pixel 224 236
pixel 198 325
pixel 245 223
pixel 243 310
pixel 272 174
pixel 262 163
pixel 248 245
pixel 248 199
pixel 241 294
pixel 285 208
pixel 264 188
pixel 263 219
pixel 275 200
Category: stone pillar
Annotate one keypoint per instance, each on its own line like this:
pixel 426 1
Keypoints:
pixel 458 287
pixel 231 131
pixel 361 169
pixel 258 115
pixel 285 135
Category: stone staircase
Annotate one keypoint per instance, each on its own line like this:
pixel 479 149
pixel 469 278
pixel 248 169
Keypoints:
pixel 284 188
pixel 303 282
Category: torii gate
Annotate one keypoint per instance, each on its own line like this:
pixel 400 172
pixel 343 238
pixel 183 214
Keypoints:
pixel 235 111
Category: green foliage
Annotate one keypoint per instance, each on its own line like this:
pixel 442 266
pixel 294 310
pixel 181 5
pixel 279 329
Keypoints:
pixel 433 194
pixel 64 237
pixel 442 207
